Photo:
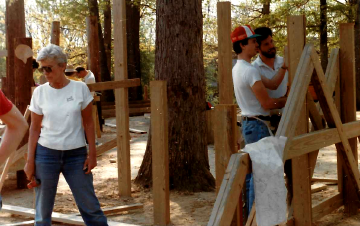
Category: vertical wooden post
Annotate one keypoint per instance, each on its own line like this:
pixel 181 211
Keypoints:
pixel 226 90
pixel 210 126
pixel 160 155
pixel 121 99
pixel 225 145
pixel 300 166
pixel 93 46
pixel 15 28
pixel 348 103
pixel 55 33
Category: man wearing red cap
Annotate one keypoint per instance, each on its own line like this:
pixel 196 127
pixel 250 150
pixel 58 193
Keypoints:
pixel 251 96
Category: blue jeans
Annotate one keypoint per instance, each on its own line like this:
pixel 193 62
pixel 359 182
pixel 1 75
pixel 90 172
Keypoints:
pixel 49 163
pixel 252 132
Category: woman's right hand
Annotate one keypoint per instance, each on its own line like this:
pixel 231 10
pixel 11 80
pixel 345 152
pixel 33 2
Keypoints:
pixel 29 169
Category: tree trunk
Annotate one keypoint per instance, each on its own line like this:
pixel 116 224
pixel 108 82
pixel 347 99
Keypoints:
pixel 323 34
pixel 133 47
pixel 266 7
pixel 179 61
pixel 357 55
pixel 107 33
pixel 107 95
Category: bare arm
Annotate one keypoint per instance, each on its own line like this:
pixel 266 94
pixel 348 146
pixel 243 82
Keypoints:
pixel 274 83
pixel 267 102
pixel 34 133
pixel 90 135
pixel 16 127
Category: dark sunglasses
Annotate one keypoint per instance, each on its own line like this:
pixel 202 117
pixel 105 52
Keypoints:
pixel 47 69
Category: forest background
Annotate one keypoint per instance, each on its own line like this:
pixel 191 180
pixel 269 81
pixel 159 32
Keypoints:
pixel 322 20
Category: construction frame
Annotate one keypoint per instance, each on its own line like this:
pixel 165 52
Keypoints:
pixel 302 146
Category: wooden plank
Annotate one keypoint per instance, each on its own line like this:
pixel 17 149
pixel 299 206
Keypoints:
pixel 55 33
pixel 229 192
pixel 120 209
pixel 106 147
pixel 109 113
pixel 160 152
pixel 348 103
pixel 121 99
pixel 210 126
pixel 333 119
pixel 93 46
pixel 310 142
pixel 130 130
pixel 327 206
pixel 3 53
pixel 252 216
pixel 24 223
pixel 226 94
pixel 56 217
pixel 126 83
pixel 300 165
pixel 317 179
pixel 95 120
pixel 318 187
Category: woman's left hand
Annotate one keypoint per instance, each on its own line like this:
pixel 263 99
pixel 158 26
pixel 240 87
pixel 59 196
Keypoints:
pixel 90 163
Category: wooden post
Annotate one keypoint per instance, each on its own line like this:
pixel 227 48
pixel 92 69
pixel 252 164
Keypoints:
pixel 23 74
pixel 225 56
pixel 225 145
pixel 93 46
pixel 55 33
pixel 210 126
pixel 121 99
pixel 348 103
pixel 15 28
pixel 160 155
pixel 301 179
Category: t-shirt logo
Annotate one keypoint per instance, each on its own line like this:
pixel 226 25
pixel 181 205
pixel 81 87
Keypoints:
pixel 70 99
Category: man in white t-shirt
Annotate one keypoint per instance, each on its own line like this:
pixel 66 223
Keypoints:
pixel 251 95
pixel 86 75
pixel 273 69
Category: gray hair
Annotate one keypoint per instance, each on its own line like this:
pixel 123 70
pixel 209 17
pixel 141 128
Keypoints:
pixel 52 52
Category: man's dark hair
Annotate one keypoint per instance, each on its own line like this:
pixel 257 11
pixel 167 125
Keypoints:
pixel 265 32
pixel 237 47
pixel 35 64
pixel 78 69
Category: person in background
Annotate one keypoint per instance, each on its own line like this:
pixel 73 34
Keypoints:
pixel 61 110
pixel 87 76
pixel 70 73
pixel 16 127
pixel 251 96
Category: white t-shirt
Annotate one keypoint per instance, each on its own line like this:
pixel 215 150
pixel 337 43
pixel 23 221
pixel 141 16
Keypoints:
pixel 269 73
pixel 244 77
pixel 61 126
pixel 89 79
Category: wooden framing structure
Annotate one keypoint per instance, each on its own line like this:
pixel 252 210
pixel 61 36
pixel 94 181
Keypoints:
pixel 307 144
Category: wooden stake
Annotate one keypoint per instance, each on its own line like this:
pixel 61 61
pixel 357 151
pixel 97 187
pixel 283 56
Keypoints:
pixel 225 60
pixel 348 104
pixel 55 33
pixel 121 99
pixel 160 154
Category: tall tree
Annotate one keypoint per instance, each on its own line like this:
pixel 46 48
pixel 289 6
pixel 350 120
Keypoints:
pixel 357 54
pixel 108 95
pixel 133 45
pixel 179 61
pixel 323 34
pixel 107 32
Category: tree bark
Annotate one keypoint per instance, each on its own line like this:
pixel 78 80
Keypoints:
pixel 107 95
pixel 323 34
pixel 133 46
pixel 107 33
pixel 357 55
pixel 179 61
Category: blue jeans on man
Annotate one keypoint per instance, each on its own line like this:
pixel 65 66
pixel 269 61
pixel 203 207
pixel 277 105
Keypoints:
pixel 252 131
pixel 49 164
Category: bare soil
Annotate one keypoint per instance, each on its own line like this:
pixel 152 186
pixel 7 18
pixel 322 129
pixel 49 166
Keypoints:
pixel 186 208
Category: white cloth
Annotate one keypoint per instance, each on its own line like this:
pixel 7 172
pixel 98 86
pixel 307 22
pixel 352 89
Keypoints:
pixel 268 171
pixel 269 73
pixel 61 126
pixel 89 79
pixel 244 77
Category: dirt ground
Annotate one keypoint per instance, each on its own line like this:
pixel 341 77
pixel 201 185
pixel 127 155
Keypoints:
pixel 186 208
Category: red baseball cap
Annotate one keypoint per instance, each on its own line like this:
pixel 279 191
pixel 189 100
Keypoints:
pixel 243 32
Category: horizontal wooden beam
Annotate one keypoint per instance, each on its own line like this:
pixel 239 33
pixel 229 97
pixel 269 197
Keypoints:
pixel 99 86
pixel 119 209
pixel 327 206
pixel 318 187
pixel 309 142
pixel 3 53
pixel 106 147
pixel 317 179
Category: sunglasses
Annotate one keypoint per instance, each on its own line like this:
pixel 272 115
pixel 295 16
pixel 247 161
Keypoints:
pixel 47 69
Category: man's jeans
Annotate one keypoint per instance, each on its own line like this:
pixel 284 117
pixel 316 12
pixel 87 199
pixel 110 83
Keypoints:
pixel 252 131
pixel 49 163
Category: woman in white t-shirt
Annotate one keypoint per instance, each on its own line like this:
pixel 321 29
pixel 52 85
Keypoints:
pixel 57 142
